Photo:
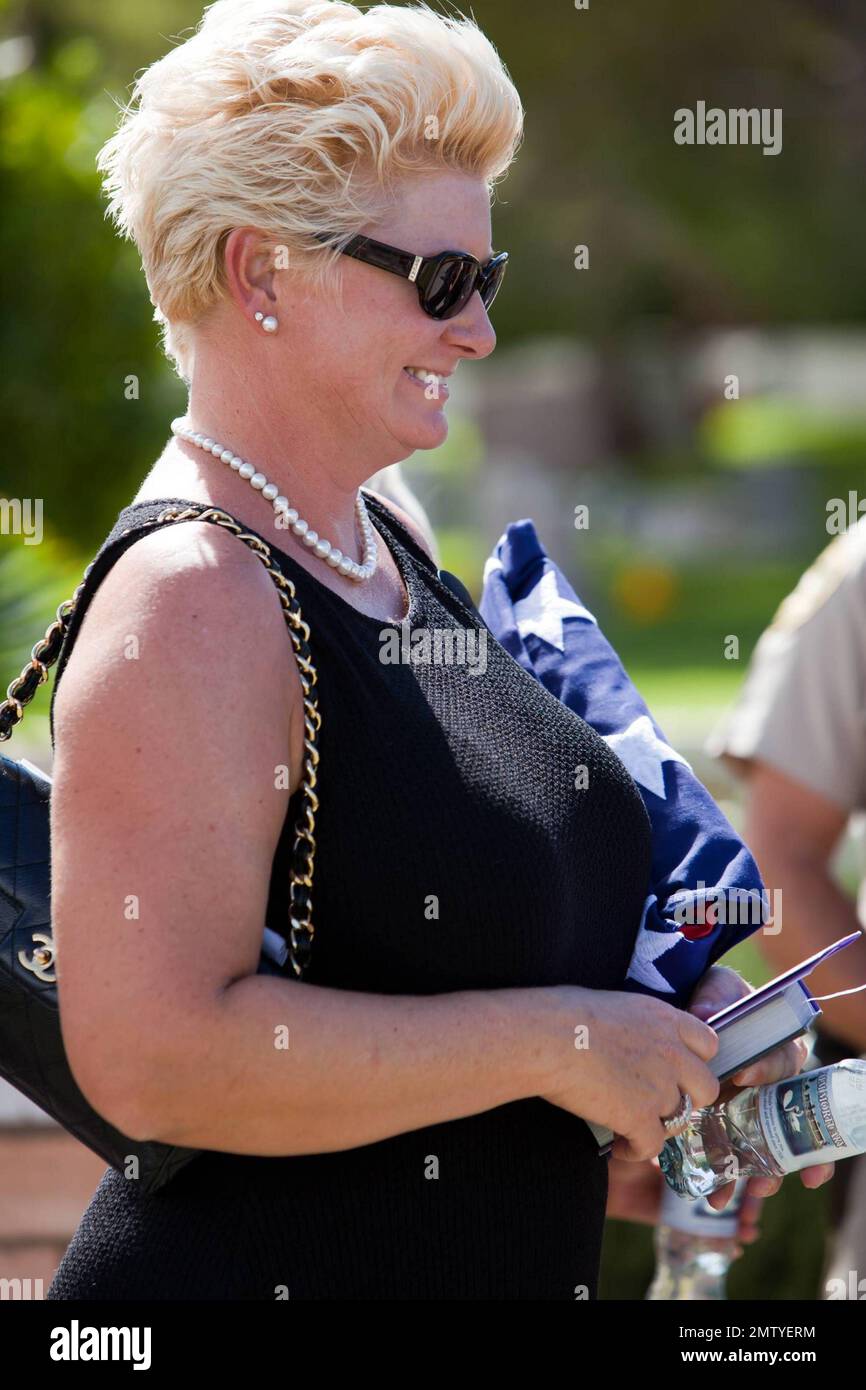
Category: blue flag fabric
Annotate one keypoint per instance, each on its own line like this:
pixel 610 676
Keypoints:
pixel 698 860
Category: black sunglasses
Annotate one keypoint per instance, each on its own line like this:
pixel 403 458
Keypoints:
pixel 445 282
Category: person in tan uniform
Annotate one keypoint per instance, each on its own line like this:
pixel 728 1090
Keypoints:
pixel 796 737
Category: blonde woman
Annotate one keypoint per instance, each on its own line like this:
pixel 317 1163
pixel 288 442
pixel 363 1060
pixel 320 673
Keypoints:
pixel 423 1135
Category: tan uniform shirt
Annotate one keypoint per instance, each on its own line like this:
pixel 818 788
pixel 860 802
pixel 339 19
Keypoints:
pixel 802 708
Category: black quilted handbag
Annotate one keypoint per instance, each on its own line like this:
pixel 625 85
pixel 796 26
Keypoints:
pixel 32 1055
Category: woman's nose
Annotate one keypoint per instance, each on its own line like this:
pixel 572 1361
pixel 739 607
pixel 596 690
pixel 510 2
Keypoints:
pixel 472 330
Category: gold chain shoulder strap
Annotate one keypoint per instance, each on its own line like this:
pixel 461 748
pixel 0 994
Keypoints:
pixel 44 654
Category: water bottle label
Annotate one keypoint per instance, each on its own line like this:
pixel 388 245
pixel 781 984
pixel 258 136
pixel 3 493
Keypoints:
pixel 817 1117
pixel 697 1217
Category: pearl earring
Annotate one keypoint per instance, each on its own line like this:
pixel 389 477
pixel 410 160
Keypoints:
pixel 269 324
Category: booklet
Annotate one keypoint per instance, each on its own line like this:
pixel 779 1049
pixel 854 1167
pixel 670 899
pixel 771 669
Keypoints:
pixel 759 1022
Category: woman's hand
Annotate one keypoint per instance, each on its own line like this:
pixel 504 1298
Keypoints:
pixel 623 1061
pixel 719 987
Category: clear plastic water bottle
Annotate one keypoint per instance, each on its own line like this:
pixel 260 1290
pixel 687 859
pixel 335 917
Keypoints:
pixel 766 1131
pixel 694 1247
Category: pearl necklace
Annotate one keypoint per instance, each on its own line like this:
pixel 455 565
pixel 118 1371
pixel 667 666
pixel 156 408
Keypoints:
pixel 343 564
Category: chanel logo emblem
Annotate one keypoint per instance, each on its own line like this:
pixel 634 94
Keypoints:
pixel 42 959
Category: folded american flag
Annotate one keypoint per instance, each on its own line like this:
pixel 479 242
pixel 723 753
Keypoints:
pixel 698 860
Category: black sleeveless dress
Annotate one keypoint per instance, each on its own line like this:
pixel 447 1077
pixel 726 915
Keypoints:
pixel 437 782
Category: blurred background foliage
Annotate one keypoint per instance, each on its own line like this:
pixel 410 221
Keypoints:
pixel 704 510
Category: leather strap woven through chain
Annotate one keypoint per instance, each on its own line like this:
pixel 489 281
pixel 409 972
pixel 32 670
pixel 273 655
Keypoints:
pixel 46 652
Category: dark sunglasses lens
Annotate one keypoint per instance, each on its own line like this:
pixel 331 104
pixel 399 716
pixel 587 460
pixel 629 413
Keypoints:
pixel 490 288
pixel 451 286
pixel 454 283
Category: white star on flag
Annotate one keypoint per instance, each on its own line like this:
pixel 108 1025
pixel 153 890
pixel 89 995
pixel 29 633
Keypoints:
pixel 643 753
pixel 648 946
pixel 543 610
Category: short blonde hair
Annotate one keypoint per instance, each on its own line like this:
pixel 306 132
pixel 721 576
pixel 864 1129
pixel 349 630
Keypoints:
pixel 295 117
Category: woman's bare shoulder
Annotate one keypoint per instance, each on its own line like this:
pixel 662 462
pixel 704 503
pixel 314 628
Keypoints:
pixel 174 564
pixel 186 600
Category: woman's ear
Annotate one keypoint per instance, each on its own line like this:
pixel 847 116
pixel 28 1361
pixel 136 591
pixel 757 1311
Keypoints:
pixel 250 265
